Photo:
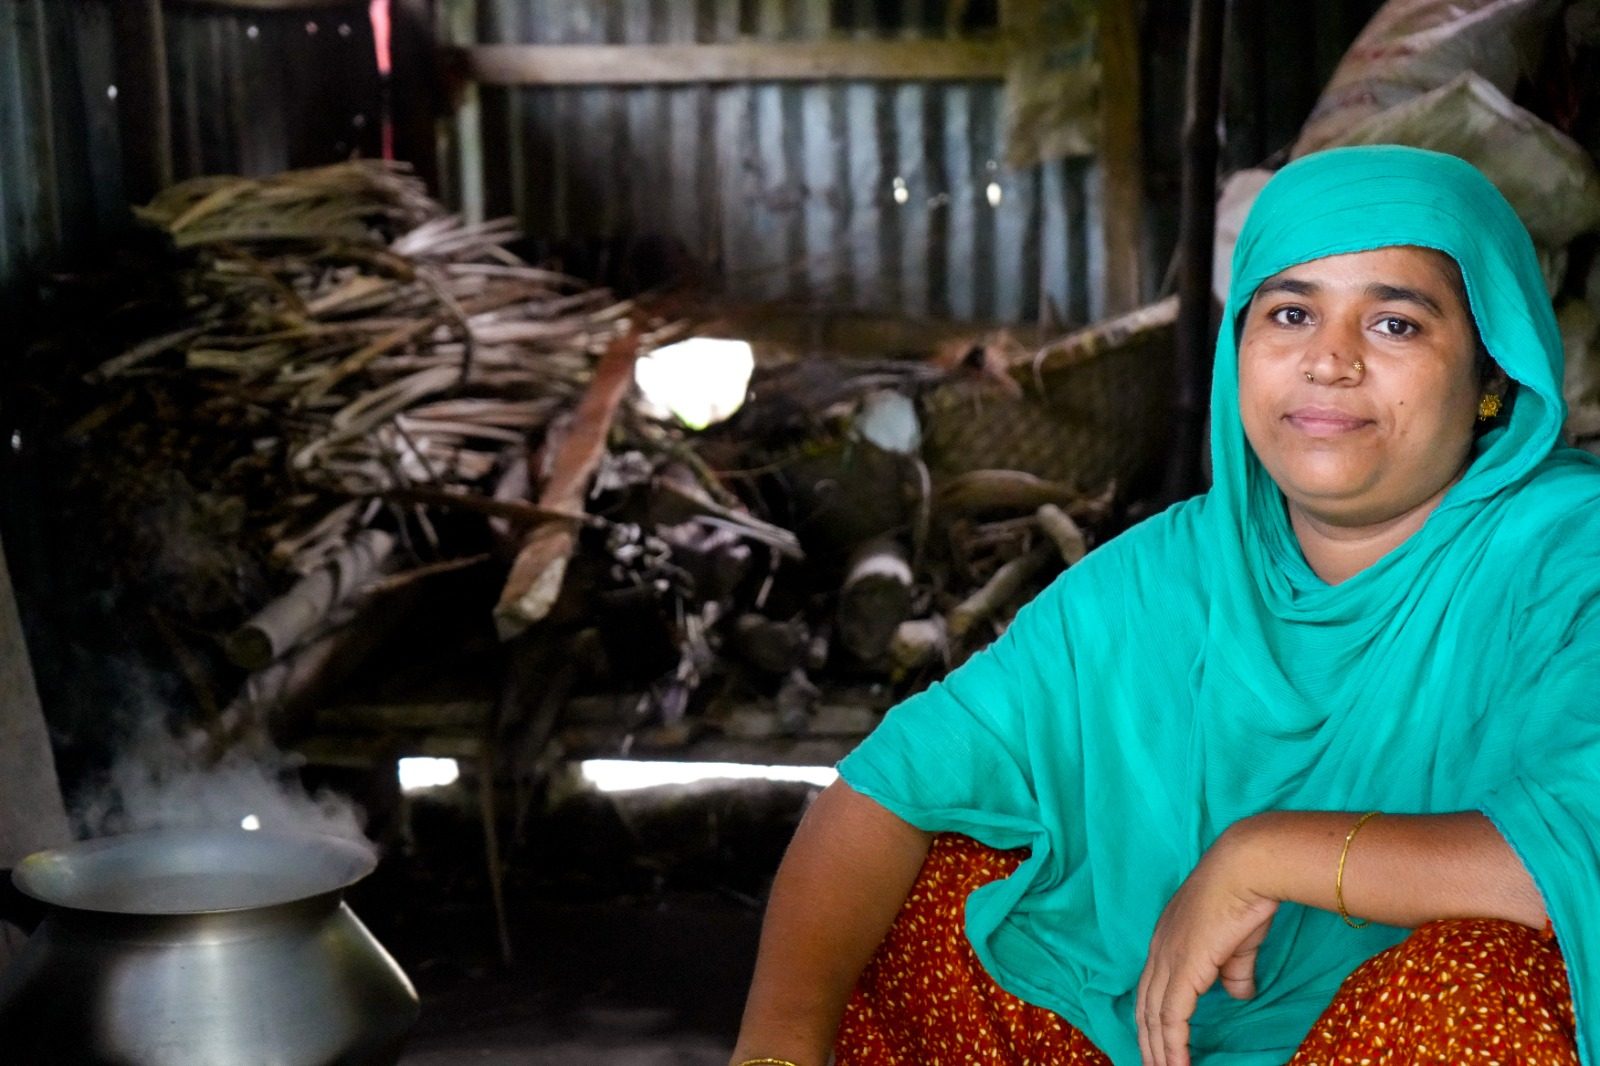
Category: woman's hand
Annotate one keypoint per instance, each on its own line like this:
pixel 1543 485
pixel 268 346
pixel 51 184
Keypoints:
pixel 1210 929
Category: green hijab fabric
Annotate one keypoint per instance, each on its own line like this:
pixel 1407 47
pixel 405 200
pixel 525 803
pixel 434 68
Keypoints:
pixel 1195 671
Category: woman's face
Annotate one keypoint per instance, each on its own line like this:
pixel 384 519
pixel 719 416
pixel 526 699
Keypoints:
pixel 1360 445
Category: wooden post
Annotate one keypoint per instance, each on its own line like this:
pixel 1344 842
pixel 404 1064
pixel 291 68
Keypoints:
pixel 1121 156
pixel 461 172
pixel 1192 368
pixel 144 106
pixel 416 96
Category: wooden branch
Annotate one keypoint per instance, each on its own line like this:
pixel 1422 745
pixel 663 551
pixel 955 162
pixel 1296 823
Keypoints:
pixel 285 622
pixel 536 578
pixel 540 567
pixel 1059 527
pixel 688 64
pixel 1001 589
pixel 279 700
pixel 1091 342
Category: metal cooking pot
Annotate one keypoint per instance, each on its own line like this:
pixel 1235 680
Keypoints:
pixel 202 948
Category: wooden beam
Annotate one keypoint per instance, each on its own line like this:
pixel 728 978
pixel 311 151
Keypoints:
pixel 745 61
pixel 603 742
pixel 269 5
pixel 1121 155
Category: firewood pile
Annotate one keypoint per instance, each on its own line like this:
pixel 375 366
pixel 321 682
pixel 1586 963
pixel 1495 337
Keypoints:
pixel 336 389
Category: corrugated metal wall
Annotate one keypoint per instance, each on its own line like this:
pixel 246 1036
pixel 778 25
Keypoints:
pixel 887 198
pixel 251 92
pixel 59 171
pixel 254 92
pixel 863 196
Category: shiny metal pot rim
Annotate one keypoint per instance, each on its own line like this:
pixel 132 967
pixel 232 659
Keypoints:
pixel 193 871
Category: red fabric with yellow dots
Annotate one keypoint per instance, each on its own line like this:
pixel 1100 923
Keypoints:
pixel 1453 992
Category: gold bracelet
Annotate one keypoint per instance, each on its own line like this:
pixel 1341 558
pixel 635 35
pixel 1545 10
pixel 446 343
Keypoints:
pixel 1338 877
pixel 768 1062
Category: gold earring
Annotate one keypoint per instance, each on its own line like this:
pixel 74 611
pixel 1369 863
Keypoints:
pixel 1488 406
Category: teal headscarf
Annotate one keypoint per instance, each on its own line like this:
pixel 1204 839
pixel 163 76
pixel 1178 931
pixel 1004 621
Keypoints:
pixel 1195 671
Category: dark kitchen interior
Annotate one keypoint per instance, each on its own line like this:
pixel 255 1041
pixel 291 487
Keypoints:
pixel 341 433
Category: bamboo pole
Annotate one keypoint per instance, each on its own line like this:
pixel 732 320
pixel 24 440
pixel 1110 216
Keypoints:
pixel 1195 237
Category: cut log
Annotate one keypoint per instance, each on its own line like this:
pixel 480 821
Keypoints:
pixel 284 623
pixel 536 575
pixel 875 599
pixel 917 643
pixel 998 592
pixel 1059 527
pixel 277 702
pixel 536 578
pixel 774 646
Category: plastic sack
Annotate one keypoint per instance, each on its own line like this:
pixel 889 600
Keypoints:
pixel 1238 193
pixel 1546 175
pixel 1412 47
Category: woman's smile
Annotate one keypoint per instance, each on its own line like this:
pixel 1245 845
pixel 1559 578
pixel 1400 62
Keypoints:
pixel 1316 421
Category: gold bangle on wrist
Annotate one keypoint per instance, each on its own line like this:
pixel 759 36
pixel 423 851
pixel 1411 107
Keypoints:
pixel 1338 877
pixel 768 1062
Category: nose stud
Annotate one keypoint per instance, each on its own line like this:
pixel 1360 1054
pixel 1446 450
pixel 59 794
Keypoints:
pixel 1309 377
pixel 1359 367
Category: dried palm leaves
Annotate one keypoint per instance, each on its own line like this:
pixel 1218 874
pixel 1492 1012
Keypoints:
pixel 375 343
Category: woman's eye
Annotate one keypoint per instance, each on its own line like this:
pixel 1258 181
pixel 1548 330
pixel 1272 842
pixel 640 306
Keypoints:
pixel 1290 316
pixel 1397 327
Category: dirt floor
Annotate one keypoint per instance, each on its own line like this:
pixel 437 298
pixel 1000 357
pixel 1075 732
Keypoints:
pixel 634 926
pixel 617 983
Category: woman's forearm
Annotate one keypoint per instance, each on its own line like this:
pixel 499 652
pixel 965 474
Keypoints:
pixel 841 883
pixel 1400 870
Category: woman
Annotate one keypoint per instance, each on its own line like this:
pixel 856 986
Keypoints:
pixel 1388 604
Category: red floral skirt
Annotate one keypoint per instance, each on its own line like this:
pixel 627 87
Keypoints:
pixel 1453 992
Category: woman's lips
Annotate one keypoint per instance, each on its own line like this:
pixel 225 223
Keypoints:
pixel 1325 421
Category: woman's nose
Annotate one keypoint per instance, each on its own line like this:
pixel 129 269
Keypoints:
pixel 1333 360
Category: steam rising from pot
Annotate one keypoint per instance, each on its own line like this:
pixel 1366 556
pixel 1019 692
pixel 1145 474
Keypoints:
pixel 161 782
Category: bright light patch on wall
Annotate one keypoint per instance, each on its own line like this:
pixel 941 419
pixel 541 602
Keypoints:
pixel 700 381
pixel 994 193
pixel 250 823
pixel 418 773
pixel 902 193
pixel 622 775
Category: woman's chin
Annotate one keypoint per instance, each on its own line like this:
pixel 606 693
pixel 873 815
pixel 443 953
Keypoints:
pixel 1327 485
